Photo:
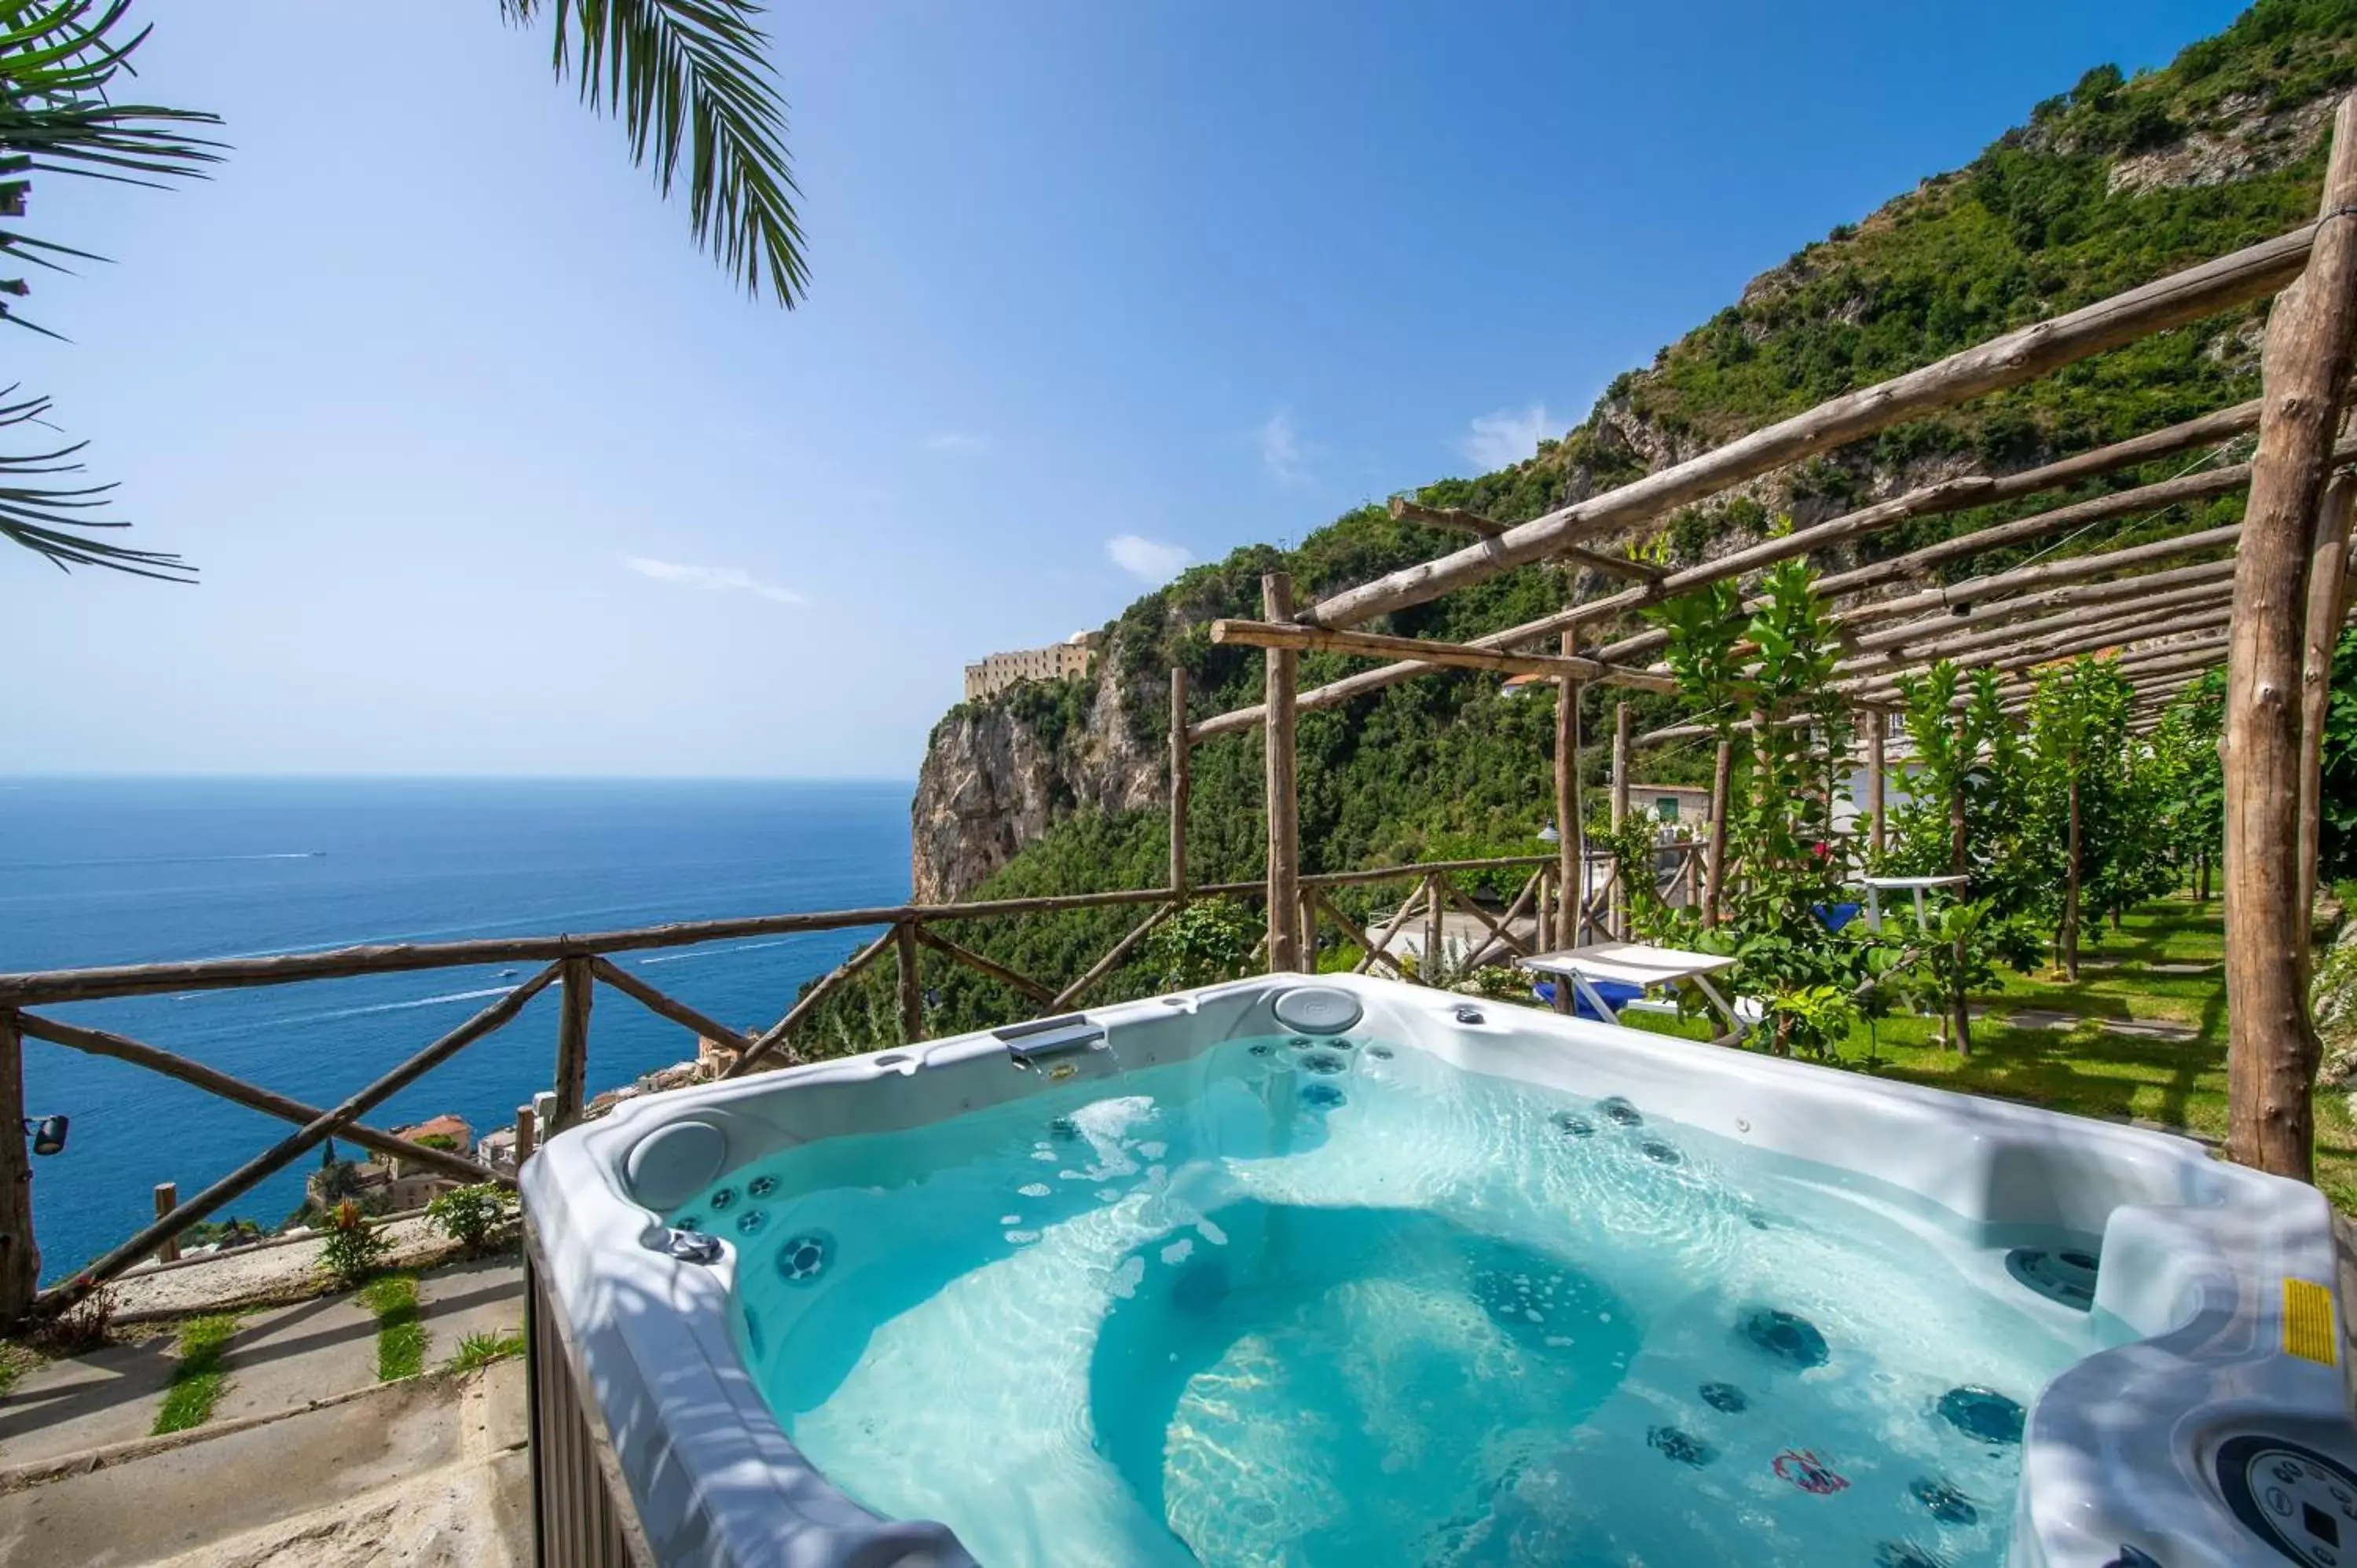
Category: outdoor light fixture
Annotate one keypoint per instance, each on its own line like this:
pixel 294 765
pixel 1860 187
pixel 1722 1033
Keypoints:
pixel 1548 835
pixel 48 1134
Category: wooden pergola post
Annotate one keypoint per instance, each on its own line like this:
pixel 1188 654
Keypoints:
pixel 2328 606
pixel 20 1258
pixel 2272 1048
pixel 1621 874
pixel 1878 834
pixel 1722 781
pixel 1282 685
pixel 1571 857
pixel 1181 782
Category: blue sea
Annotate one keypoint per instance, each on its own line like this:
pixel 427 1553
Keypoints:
pixel 125 871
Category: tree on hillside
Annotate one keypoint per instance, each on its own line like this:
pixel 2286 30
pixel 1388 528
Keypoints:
pixel 687 77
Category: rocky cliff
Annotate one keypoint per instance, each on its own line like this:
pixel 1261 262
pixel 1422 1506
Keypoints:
pixel 997 774
pixel 2118 181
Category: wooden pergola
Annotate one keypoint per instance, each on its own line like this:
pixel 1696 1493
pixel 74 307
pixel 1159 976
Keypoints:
pixel 2265 597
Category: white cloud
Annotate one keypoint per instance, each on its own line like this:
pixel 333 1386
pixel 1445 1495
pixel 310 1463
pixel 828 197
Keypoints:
pixel 712 579
pixel 1504 439
pixel 1146 559
pixel 1281 448
pixel 959 444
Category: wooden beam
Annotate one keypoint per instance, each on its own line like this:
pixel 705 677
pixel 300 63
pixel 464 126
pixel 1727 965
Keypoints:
pixel 572 1040
pixel 1071 994
pixel 1953 495
pixel 1878 816
pixel 1722 775
pixel 1450 655
pixel 295 1145
pixel 1381 947
pixel 2190 603
pixel 1181 781
pixel 663 1006
pixel 2272 1047
pixel 1281 682
pixel 1022 984
pixel 2007 360
pixel 1969 613
pixel 776 1034
pixel 2131 640
pixel 20 1254
pixel 238 1092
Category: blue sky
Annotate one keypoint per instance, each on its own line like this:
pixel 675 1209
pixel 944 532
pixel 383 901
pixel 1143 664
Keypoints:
pixel 488 471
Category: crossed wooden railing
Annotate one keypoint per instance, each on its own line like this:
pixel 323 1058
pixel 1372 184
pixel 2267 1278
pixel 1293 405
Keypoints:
pixel 578 965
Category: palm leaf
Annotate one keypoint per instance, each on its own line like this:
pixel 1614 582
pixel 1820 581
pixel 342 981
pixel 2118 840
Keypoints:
pixel 688 79
pixel 58 60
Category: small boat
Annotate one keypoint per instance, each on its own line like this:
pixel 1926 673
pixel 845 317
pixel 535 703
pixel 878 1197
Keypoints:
pixel 505 974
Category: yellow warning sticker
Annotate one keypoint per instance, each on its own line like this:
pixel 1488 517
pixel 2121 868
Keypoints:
pixel 2307 1322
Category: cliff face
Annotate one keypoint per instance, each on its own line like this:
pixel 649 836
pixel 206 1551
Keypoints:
pixel 2114 183
pixel 995 777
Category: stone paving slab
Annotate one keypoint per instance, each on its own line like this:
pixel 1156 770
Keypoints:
pixel 63 1407
pixel 2151 1029
pixel 284 1358
pixel 214 1486
pixel 2040 1018
pixel 485 1296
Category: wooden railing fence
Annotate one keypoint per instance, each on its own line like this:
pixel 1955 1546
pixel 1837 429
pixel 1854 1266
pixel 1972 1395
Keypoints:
pixel 576 967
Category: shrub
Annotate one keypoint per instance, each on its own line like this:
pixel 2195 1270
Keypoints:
pixel 473 1216
pixel 354 1247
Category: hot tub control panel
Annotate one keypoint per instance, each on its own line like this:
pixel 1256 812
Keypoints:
pixel 2302 1502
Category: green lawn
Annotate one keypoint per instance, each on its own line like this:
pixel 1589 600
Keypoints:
pixel 2180 1084
pixel 400 1336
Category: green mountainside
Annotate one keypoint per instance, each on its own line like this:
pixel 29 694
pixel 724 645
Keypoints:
pixel 2109 184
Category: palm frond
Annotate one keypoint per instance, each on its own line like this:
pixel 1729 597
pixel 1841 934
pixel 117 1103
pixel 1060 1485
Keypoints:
pixel 48 519
pixel 58 60
pixel 688 79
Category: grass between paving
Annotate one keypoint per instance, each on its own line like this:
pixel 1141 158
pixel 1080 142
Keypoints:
pixel 400 1334
pixel 199 1379
pixel 2082 1069
pixel 483 1350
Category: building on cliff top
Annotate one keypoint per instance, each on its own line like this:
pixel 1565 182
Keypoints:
pixel 1057 661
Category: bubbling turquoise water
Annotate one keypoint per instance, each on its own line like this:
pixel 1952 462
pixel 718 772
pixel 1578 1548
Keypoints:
pixel 1311 1303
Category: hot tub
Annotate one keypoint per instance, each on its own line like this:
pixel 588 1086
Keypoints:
pixel 1340 1270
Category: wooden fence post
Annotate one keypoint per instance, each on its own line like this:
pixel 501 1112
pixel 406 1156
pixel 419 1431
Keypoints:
pixel 1282 685
pixel 1181 782
pixel 912 982
pixel 524 1135
pixel 1435 929
pixel 2272 1048
pixel 20 1258
pixel 572 1041
pixel 168 1198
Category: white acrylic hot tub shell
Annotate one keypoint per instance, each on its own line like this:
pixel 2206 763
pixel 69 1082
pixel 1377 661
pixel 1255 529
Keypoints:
pixel 2117 1450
